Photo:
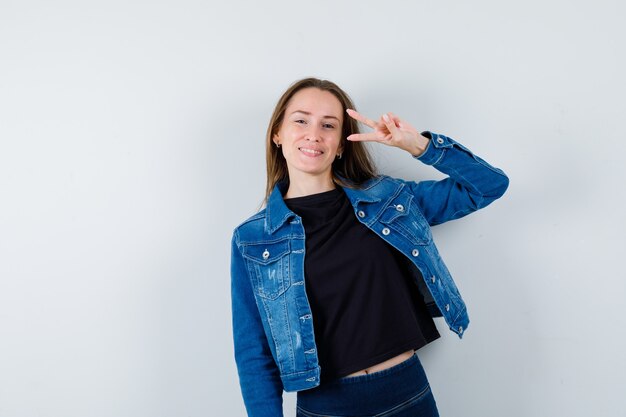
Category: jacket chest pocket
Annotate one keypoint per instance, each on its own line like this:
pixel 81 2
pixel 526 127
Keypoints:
pixel 269 265
pixel 403 216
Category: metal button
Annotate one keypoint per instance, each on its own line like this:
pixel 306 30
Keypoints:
pixel 460 329
pixel 266 254
pixel 433 279
pixel 415 252
pixel 385 231
pixel 447 307
pixel 400 207
pixel 439 141
pixel 361 213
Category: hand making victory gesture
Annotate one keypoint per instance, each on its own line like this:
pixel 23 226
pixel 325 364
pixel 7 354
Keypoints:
pixel 391 131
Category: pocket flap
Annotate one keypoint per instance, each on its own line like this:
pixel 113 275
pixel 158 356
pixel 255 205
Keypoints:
pixel 266 253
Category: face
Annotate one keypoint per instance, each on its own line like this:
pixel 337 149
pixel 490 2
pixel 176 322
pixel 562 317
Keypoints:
pixel 310 133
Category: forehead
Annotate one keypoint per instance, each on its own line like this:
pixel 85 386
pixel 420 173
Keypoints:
pixel 315 101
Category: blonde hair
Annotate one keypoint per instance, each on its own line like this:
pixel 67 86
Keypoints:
pixel 355 166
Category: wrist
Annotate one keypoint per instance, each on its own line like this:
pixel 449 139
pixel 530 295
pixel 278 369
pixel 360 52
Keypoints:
pixel 418 146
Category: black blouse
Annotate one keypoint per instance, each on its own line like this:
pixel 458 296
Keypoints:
pixel 365 304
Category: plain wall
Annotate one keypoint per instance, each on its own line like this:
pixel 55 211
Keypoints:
pixel 132 143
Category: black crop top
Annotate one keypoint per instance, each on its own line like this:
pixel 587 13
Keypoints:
pixel 365 305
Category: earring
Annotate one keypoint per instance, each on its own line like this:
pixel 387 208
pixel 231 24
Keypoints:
pixel 278 145
pixel 339 155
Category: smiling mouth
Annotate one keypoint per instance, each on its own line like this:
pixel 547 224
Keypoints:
pixel 312 152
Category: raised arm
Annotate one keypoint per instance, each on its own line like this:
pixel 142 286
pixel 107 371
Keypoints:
pixel 471 184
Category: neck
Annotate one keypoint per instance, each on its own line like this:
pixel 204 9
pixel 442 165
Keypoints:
pixel 299 187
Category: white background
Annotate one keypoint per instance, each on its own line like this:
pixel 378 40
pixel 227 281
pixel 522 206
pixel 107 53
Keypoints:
pixel 132 142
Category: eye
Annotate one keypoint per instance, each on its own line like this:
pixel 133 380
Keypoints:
pixel 300 120
pixel 329 126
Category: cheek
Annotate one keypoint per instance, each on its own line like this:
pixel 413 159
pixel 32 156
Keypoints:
pixel 337 143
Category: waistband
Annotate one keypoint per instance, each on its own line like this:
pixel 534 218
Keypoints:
pixel 375 391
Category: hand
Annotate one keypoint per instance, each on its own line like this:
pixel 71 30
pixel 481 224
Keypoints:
pixel 392 132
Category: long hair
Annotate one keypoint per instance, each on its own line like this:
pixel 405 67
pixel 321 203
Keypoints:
pixel 355 166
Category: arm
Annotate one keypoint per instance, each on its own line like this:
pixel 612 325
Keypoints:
pixel 259 376
pixel 472 183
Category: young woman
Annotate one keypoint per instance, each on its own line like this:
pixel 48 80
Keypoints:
pixel 335 282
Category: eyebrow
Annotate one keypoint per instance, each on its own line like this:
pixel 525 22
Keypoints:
pixel 308 114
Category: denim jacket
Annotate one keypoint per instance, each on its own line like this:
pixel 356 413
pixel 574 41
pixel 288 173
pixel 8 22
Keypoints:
pixel 272 323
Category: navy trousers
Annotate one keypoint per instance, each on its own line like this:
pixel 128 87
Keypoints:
pixel 400 391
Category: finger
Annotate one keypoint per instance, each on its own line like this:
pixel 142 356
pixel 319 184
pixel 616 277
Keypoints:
pixel 391 124
pixel 358 116
pixel 372 136
pixel 402 124
pixel 397 121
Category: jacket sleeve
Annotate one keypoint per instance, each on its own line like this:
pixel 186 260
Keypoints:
pixel 471 183
pixel 259 376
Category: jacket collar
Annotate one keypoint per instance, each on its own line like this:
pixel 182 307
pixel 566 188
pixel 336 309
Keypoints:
pixel 277 212
pixel 363 193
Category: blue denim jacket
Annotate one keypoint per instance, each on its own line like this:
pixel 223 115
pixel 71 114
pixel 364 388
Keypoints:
pixel 272 322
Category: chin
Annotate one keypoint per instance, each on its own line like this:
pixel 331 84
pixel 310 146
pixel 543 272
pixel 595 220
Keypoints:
pixel 313 170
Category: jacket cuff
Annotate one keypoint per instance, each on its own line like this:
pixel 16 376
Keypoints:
pixel 435 149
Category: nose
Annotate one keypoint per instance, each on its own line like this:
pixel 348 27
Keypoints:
pixel 313 134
